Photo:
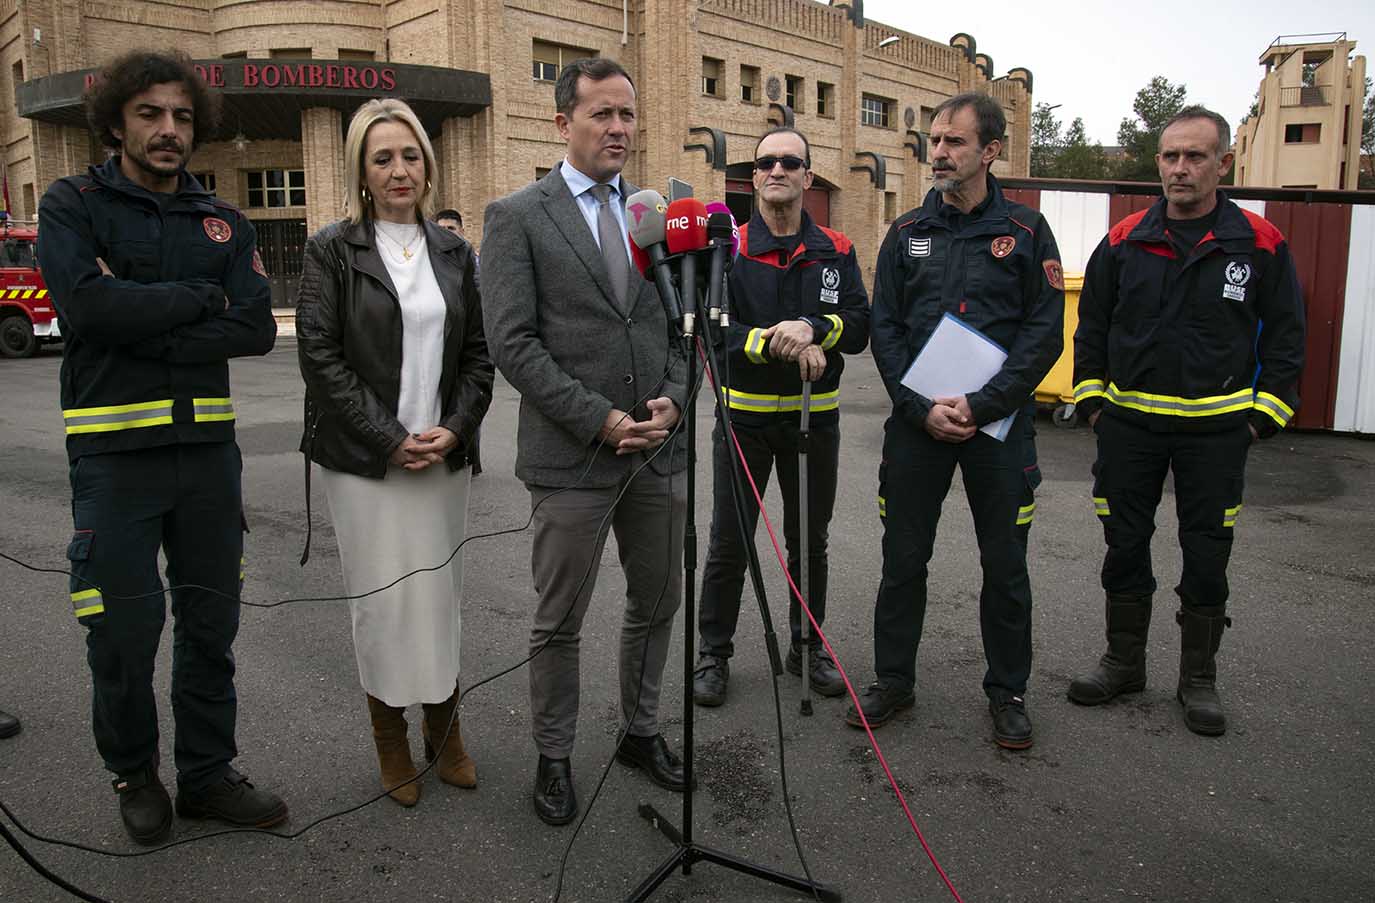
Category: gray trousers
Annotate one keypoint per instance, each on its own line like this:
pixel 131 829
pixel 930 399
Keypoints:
pixel 649 524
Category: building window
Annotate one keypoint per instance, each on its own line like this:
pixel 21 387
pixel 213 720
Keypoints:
pixel 890 206
pixel 290 53
pixel 1243 144
pixel 236 55
pixel 749 84
pixel 541 172
pixel 346 54
pixel 277 188
pixel 207 180
pixel 17 70
pixel 875 111
pixel 711 77
pixel 795 95
pixel 549 59
pixel 825 99
pixel 1303 133
pixel 928 116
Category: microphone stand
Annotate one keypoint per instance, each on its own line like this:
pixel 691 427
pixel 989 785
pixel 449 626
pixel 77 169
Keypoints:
pixel 686 851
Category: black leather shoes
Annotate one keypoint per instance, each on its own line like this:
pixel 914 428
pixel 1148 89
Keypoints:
pixel 234 800
pixel 653 756
pixel 555 803
pixel 144 806
pixel 1011 726
pixel 826 678
pixel 880 702
pixel 710 679
pixel 9 725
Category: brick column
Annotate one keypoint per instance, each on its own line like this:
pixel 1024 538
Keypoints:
pixel 322 153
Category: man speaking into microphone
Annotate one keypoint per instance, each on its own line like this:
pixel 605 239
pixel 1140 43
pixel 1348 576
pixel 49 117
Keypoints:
pixel 585 341
pixel 797 302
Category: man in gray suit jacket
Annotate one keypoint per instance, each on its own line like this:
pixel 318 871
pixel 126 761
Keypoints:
pixel 586 342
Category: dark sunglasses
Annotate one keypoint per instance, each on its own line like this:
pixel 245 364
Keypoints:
pixel 790 163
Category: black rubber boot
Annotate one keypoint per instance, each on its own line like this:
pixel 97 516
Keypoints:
pixel 1200 633
pixel 1122 669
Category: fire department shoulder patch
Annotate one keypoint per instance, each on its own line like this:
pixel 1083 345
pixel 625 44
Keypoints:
pixel 1055 274
pixel 258 264
pixel 1003 245
pixel 217 229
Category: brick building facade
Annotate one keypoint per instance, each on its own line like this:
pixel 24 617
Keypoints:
pixel 711 76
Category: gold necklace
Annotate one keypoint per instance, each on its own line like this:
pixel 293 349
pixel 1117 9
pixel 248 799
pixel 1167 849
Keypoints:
pixel 405 247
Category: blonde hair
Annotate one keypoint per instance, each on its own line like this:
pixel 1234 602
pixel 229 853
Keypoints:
pixel 357 205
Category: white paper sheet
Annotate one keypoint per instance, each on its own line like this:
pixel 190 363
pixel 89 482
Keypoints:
pixel 958 360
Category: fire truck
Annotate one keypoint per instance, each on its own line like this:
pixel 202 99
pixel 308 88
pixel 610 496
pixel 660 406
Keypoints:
pixel 27 317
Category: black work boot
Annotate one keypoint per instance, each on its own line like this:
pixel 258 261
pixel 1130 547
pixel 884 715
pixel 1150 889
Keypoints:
pixel 710 679
pixel 1200 633
pixel 144 806
pixel 879 702
pixel 1011 724
pixel 1122 669
pixel 826 678
pixel 234 800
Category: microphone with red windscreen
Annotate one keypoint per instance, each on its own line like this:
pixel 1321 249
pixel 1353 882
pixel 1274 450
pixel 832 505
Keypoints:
pixel 686 233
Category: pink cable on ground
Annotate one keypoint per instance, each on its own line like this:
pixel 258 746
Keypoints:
pixel 778 553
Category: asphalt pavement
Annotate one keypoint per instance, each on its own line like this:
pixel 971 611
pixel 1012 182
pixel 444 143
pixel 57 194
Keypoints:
pixel 1115 803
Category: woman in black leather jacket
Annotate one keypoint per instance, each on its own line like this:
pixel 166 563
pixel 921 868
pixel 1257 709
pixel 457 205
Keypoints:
pixel 389 332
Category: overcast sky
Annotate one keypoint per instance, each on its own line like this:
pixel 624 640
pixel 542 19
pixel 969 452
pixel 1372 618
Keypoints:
pixel 1093 58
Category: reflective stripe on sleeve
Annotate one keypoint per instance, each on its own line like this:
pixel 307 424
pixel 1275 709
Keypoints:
pixel 1275 409
pixel 212 409
pixel 754 346
pixel 1178 406
pixel 837 327
pixel 1089 388
pixel 1229 516
pixel 87 602
pixel 1100 506
pixel 118 417
pixel 756 403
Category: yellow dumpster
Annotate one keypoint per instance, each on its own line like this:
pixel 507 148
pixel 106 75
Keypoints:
pixel 1057 389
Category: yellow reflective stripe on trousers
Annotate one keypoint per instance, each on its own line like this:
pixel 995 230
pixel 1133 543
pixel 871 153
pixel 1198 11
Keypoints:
pixel 1100 506
pixel 1275 409
pixel 837 327
pixel 1089 388
pixel 1229 515
pixel 754 346
pixel 882 507
pixel 1178 406
pixel 756 403
pixel 118 417
pixel 87 602
pixel 212 409
pixel 1026 514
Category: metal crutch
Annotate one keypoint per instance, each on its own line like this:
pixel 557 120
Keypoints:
pixel 804 563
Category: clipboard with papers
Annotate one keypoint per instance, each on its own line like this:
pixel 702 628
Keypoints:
pixel 958 360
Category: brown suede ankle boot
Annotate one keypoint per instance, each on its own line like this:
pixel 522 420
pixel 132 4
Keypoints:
pixel 393 752
pixel 454 765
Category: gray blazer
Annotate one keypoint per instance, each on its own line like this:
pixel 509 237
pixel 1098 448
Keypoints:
pixel 561 339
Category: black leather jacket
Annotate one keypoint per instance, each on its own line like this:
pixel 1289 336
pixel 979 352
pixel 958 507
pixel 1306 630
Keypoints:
pixel 348 334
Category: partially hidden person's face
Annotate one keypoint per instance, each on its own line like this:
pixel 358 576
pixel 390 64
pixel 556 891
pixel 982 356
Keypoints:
pixel 778 185
pixel 1190 162
pixel 451 224
pixel 394 167
pixel 956 157
pixel 159 129
pixel 601 130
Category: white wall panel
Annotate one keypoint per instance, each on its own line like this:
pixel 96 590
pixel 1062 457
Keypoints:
pixel 1354 410
pixel 1256 207
pixel 1079 220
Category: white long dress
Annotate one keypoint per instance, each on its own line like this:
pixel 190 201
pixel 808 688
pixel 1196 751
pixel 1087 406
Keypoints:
pixel 406 637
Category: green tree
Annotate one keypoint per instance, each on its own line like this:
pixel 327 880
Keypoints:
pixel 1078 159
pixel 1045 140
pixel 1366 179
pixel 1140 136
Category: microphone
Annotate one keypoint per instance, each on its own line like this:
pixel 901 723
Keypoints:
pixel 686 229
pixel 725 239
pixel 645 211
pixel 720 207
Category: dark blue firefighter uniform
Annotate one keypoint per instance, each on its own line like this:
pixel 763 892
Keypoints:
pixel 150 440
pixel 996 269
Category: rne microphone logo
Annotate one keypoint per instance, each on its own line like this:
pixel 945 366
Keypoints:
pixel 679 222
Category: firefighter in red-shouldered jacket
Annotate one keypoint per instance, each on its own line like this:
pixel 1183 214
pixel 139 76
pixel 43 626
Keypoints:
pixel 1189 347
pixel 157 284
pixel 798 304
